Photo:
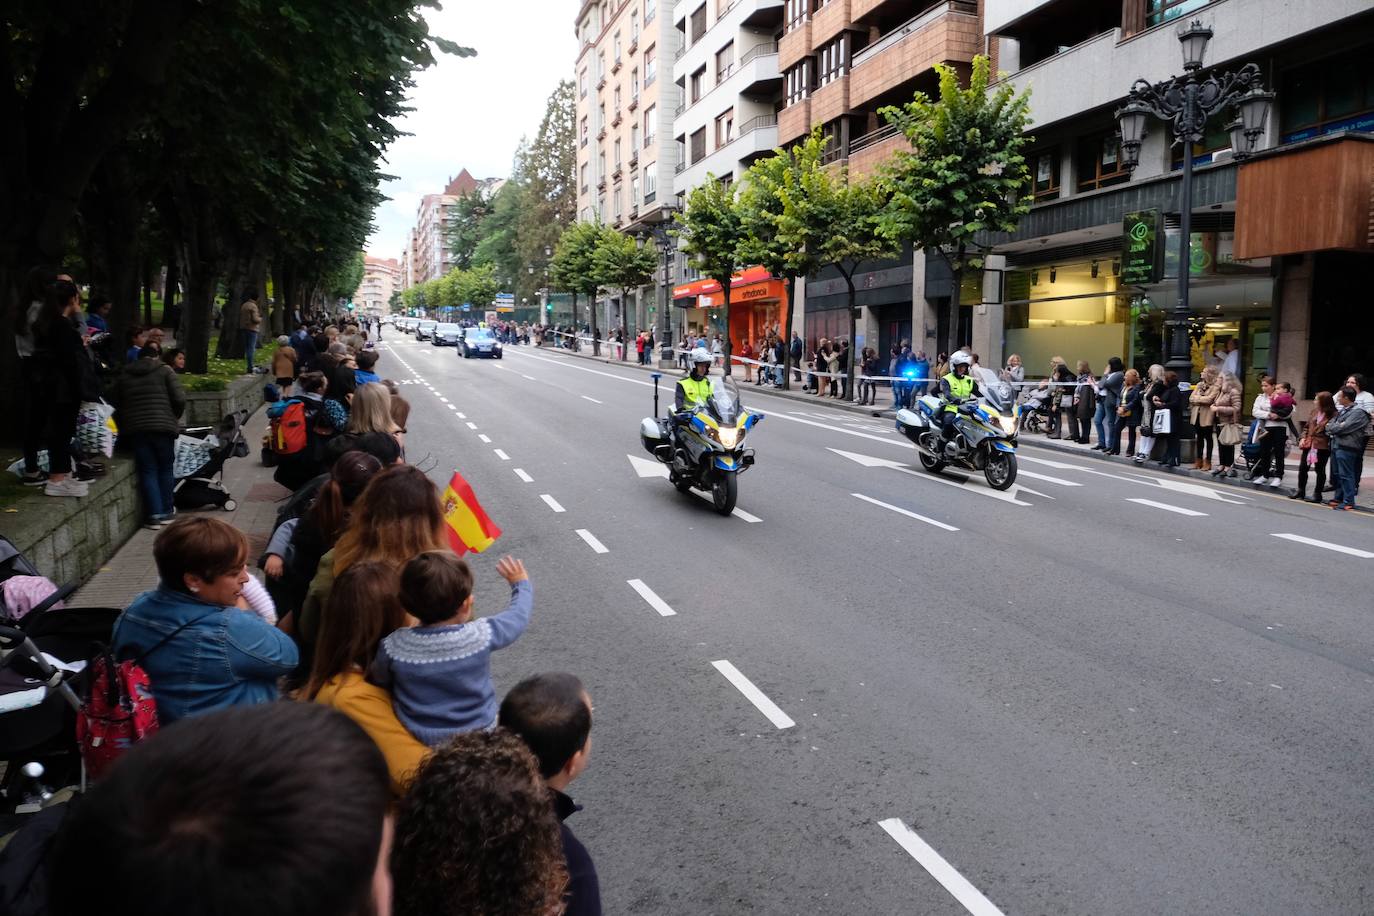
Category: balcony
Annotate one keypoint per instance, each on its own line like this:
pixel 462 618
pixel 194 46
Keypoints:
pixel 756 135
pixel 617 172
pixel 601 134
pixel 794 121
pixel 794 45
pixel 760 64
pixel 634 103
pixel 634 45
pixel 869 152
pixel 615 67
pixel 601 83
pixel 616 119
pixel 829 21
pixel 634 156
pixel 946 32
pixel 601 183
pixel 830 101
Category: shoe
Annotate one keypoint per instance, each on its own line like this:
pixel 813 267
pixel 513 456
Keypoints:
pixel 1197 465
pixel 1098 448
pixel 36 479
pixel 84 473
pixel 1334 504
pixel 1297 494
pixel 1110 452
pixel 1275 483
pixel 1139 459
pixel 1347 508
pixel 1259 481
pixel 1231 472
pixel 1206 465
pixel 152 524
pixel 1218 472
pixel 69 486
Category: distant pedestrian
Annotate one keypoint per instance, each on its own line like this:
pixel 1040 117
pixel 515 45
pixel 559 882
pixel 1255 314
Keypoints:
pixel 1128 412
pixel 1364 399
pixel 1172 400
pixel 1231 361
pixel 284 367
pixel 64 377
pixel 1202 417
pixel 1108 399
pixel 1084 404
pixel 1227 412
pixel 1272 408
pixel 1315 447
pixel 148 399
pixel 1347 432
pixel 796 349
pixel 250 321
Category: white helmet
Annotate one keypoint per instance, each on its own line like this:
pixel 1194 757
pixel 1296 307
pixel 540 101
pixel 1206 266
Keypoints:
pixel 700 355
pixel 960 358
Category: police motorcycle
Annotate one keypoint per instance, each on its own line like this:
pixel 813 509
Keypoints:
pixel 985 433
pixel 704 447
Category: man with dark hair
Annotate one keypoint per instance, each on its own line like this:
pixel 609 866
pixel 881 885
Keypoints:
pixel 275 810
pixel 552 713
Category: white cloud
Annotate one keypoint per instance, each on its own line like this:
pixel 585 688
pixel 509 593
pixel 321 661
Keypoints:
pixel 470 112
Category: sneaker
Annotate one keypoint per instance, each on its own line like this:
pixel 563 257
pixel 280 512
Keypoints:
pixel 69 486
pixel 1217 472
pixel 1275 483
pixel 152 524
pixel 1259 481
pixel 36 479
pixel 84 473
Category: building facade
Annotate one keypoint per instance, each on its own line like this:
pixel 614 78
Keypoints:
pixel 430 256
pixel 626 159
pixel 381 277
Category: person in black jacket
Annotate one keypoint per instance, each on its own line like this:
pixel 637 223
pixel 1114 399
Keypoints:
pixel 67 375
pixel 148 399
pixel 1172 400
pixel 552 713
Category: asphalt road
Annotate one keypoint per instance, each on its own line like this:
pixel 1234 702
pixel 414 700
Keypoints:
pixel 1108 692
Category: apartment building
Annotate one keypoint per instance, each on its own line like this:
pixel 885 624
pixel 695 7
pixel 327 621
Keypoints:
pixel 1282 242
pixel 626 97
pixel 430 254
pixel 381 277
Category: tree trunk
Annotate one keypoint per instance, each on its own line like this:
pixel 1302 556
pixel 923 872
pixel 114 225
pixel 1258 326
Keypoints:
pixel 596 347
pixel 853 330
pixel 199 316
pixel 787 333
pixel 148 292
pixel 281 303
pixel 169 293
pixel 726 287
pixel 956 293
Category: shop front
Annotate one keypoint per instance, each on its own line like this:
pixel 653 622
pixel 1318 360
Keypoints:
pixel 758 307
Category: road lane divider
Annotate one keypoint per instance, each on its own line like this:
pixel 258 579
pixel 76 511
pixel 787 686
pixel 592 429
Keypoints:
pixel 651 597
pixel 934 863
pixel 471 425
pixel 500 454
pixel 592 399
pixel 754 695
pixel 1327 545
pixel 1007 496
pixel 486 440
pixel 907 512
pixel 551 502
pixel 520 472
pixel 592 542
pixel 1166 507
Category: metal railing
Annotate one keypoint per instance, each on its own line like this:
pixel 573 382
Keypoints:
pixel 759 50
pixel 753 124
pixel 911 26
pixel 873 138
pixel 679 167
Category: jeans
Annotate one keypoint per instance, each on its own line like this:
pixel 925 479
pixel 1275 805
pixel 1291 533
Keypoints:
pixel 250 347
pixel 1320 465
pixel 153 457
pixel 1100 420
pixel 1347 468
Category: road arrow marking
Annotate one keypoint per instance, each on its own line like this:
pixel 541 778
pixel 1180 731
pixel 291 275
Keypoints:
pixel 647 468
pixel 1048 479
pixel 906 512
pixel 1006 496
pixel 1166 507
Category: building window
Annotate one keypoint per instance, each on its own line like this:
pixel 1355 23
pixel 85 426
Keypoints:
pixel 1044 169
pixel 634 26
pixel 725 128
pixel 634 139
pixel 697 26
pixel 650 181
pixel 650 115
pixel 601 166
pixel 650 66
pixel 583 131
pixel 582 83
pixel 583 172
pixel 1216 137
pixel 1157 11
pixel 615 47
pixel 634 85
pixel 698 145
pixel 1099 161
pixel 650 10
pixel 799 83
pixel 617 155
pixel 615 198
pixel 834 59
pixel 698 85
pixel 601 66
pixel 601 208
pixel 1326 96
pixel 634 191
pixel 725 62
pixel 601 116
pixel 797 11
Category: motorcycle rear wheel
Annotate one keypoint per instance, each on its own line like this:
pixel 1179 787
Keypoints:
pixel 930 463
pixel 1000 470
pixel 724 492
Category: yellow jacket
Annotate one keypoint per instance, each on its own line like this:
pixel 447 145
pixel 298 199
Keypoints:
pixel 370 706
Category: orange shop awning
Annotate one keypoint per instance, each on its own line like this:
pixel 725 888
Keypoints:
pixel 706 287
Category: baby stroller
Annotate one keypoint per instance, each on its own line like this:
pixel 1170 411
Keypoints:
pixel 199 465
pixel 42 675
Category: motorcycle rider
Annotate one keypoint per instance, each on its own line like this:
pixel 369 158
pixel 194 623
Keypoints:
pixel 694 389
pixel 957 387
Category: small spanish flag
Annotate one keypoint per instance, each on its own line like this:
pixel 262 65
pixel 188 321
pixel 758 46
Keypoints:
pixel 469 528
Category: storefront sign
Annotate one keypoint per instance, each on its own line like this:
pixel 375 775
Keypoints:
pixel 1140 248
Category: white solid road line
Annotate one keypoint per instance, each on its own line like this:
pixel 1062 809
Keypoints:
pixel 471 425
pixel 737 513
pixel 560 362
pixel 552 503
pixel 591 540
pixel 1339 548
pixel 520 472
pixel 1047 478
pixel 530 377
pixel 901 511
pixel 648 595
pixel 1006 496
pixel 485 438
pixel 593 400
pixel 1166 507
pixel 948 876
pixel 500 454
pixel 754 695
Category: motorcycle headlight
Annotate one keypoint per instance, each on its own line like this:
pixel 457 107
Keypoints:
pixel 1008 424
pixel 728 436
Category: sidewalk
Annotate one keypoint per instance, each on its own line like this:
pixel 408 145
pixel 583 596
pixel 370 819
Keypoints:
pixel 131 570
pixel 1363 501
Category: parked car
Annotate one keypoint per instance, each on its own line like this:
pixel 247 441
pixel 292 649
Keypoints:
pixel 425 329
pixel 446 334
pixel 480 342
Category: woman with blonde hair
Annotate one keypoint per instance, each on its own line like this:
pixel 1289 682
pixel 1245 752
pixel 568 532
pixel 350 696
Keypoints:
pixel 398 517
pixel 370 411
pixel 1154 387
pixel 1201 408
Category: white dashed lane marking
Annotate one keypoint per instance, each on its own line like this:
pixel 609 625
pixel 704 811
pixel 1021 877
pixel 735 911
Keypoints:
pixel 650 596
pixel 754 695
pixel 551 502
pixel 520 472
pixel 591 540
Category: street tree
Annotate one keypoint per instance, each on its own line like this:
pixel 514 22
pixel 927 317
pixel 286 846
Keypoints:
pixel 965 174
pixel 574 265
pixel 466 227
pixel 852 212
pixel 622 264
pixel 780 230
pixel 712 235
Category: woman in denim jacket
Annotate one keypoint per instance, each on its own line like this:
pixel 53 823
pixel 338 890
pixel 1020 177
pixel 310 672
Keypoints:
pixel 201 652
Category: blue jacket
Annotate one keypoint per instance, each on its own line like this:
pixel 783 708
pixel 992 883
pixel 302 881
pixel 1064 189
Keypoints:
pixel 227 657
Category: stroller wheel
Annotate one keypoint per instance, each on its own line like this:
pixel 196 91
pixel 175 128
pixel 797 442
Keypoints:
pixel 230 505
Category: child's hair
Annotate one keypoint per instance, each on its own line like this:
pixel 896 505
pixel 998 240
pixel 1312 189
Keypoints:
pixel 367 359
pixel 434 585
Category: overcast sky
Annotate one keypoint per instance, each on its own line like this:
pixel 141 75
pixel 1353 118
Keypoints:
pixel 470 112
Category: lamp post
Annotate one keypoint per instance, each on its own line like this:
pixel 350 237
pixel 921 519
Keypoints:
pixel 667 244
pixel 1188 102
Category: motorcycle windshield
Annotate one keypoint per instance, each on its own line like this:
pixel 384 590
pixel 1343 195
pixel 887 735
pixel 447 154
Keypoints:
pixel 724 404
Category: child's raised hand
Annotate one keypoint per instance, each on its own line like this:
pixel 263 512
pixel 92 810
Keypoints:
pixel 512 570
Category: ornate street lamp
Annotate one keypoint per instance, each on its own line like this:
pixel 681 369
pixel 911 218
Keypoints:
pixel 1188 102
pixel 667 244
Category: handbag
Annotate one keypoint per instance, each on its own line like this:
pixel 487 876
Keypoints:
pixel 1163 423
pixel 1229 434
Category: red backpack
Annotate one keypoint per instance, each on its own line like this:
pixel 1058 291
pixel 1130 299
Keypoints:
pixel 290 427
pixel 119 710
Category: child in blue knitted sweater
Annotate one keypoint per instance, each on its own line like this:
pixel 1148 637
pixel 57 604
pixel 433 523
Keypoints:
pixel 439 673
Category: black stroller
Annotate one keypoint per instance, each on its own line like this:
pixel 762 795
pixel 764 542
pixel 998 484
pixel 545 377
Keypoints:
pixel 204 485
pixel 39 699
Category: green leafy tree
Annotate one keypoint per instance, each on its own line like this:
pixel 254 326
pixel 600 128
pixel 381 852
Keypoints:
pixel 345 279
pixel 574 265
pixel 395 303
pixel 781 232
pixel 467 225
pixel 713 234
pixel 965 173
pixel 621 264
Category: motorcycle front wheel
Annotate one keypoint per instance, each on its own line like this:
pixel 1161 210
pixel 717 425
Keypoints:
pixel 930 462
pixel 724 492
pixel 1001 469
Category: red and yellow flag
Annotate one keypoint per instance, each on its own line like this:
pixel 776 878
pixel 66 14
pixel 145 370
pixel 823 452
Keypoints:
pixel 469 528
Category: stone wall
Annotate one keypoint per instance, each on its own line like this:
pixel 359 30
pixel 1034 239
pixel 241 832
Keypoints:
pixel 69 539
pixel 207 408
